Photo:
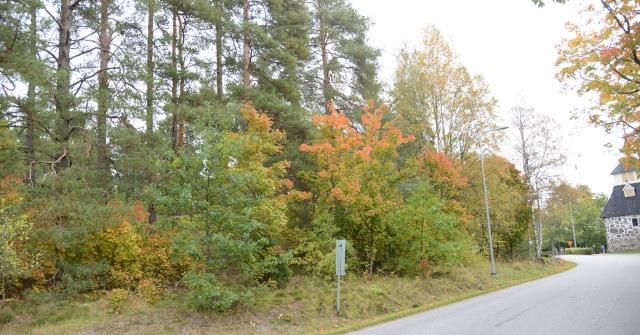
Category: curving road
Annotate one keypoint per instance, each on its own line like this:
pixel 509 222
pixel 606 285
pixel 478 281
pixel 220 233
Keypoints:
pixel 600 296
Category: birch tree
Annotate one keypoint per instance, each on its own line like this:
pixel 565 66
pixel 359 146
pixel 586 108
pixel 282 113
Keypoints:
pixel 538 155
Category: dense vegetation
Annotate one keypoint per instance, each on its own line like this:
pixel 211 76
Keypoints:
pixel 218 147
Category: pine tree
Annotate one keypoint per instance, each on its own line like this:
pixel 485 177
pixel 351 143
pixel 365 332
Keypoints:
pixel 345 72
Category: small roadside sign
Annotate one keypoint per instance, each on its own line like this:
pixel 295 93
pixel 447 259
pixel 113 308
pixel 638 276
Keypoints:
pixel 341 245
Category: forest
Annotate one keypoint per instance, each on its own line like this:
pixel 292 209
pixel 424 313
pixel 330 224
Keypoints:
pixel 220 147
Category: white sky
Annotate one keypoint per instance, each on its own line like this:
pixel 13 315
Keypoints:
pixel 512 43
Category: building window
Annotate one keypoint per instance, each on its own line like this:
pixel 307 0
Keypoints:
pixel 629 191
pixel 634 221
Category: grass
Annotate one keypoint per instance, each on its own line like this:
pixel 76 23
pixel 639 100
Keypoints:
pixel 305 306
pixel 625 252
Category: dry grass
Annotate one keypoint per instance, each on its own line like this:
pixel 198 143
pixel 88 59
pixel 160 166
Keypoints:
pixel 305 306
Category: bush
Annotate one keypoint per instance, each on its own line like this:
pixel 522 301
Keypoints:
pixel 205 293
pixel 117 299
pixel 578 251
pixel 275 268
pixel 149 291
pixel 119 246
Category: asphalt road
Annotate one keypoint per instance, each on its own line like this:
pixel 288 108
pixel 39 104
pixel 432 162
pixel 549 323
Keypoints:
pixel 600 296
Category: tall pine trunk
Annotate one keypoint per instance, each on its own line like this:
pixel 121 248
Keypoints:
pixel 218 26
pixel 149 79
pixel 102 158
pixel 63 99
pixel 324 53
pixel 29 107
pixel 246 46
pixel 180 132
pixel 174 80
pixel 151 8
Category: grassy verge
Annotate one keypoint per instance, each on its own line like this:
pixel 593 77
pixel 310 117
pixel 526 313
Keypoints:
pixel 627 252
pixel 306 306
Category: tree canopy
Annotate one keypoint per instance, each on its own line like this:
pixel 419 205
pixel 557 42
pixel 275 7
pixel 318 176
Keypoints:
pixel 219 147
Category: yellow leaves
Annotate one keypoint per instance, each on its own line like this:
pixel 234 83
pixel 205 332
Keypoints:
pixel 280 168
pixel 256 121
pixel 260 124
pixel 300 195
pixel 120 246
pixel 605 96
pixel 574 42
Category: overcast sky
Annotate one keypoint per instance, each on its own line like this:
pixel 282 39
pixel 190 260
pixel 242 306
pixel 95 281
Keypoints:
pixel 512 43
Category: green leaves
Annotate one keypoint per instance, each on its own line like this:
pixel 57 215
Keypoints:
pixel 440 102
pixel 231 203
pixel 424 234
pixel 205 293
pixel 569 203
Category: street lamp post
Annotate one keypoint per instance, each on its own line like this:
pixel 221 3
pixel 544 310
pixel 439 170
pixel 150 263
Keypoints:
pixel 486 207
pixel 573 227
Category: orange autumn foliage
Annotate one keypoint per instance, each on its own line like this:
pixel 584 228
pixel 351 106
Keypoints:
pixel 349 152
pixel 134 212
pixel 448 180
pixel 442 169
pixel 138 212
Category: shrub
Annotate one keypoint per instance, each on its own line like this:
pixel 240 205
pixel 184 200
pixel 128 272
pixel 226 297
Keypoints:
pixel 117 299
pixel 275 268
pixel 119 246
pixel 205 293
pixel 149 291
pixel 158 259
pixel 578 251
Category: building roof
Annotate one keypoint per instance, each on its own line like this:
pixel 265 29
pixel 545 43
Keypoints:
pixel 620 168
pixel 618 205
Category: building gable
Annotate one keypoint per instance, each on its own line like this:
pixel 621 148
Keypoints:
pixel 621 205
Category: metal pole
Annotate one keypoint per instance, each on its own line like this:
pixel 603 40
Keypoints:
pixel 338 299
pixel 486 207
pixel 573 228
